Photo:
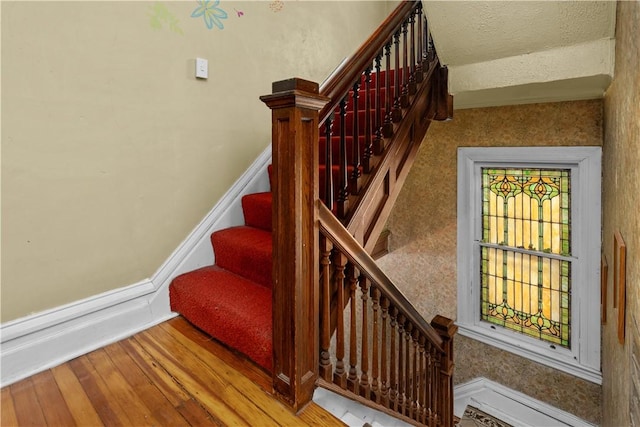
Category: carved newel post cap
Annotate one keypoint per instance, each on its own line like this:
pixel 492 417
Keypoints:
pixel 295 83
pixel 444 326
pixel 295 92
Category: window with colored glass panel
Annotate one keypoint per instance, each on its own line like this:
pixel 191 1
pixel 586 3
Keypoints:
pixel 525 252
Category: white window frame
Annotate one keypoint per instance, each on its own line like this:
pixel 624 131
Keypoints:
pixel 583 359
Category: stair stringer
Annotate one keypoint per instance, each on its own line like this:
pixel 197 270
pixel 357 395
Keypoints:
pixel 46 339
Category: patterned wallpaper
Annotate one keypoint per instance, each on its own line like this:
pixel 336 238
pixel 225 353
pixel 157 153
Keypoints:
pixel 423 236
pixel 621 203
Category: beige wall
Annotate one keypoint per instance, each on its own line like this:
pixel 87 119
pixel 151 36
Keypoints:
pixel 423 236
pixel 112 151
pixel 621 209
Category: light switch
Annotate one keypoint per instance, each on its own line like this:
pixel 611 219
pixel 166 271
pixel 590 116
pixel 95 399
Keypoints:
pixel 202 68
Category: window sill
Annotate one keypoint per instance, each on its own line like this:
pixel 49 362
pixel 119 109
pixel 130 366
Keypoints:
pixel 560 362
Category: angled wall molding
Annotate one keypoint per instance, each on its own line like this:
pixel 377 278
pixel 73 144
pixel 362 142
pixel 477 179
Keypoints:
pixel 43 340
pixel 510 406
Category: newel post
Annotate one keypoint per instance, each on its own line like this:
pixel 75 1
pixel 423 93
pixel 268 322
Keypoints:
pixel 295 104
pixel 443 99
pixel 446 329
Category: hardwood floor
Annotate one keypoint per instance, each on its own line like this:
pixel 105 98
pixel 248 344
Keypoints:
pixel 169 375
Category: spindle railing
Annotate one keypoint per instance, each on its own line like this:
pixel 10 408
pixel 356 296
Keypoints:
pixel 321 246
pixel 397 83
pixel 397 362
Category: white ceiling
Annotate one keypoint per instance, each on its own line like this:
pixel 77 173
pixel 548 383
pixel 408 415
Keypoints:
pixel 514 52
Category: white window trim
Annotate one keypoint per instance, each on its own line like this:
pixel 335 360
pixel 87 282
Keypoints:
pixel 583 360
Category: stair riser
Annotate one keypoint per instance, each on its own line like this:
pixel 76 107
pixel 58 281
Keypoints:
pixel 257 210
pixel 227 307
pixel 245 251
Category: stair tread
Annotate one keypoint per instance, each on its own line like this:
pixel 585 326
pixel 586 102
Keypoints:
pixel 245 251
pixel 229 307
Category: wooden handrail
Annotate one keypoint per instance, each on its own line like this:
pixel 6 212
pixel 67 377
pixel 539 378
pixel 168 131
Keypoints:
pixel 342 79
pixel 340 236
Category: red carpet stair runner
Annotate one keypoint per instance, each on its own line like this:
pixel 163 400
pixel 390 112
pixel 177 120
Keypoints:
pixel 231 300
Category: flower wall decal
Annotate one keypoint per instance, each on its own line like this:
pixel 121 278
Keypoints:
pixel 160 16
pixel 211 13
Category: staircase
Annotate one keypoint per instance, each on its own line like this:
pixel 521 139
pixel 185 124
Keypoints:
pixel 232 300
pixel 283 283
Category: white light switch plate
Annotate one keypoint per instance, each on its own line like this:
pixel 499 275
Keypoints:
pixel 202 68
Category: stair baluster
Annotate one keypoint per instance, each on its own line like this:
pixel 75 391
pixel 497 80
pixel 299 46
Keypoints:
pixel 408 375
pixel 422 375
pixel 435 396
pixel 364 363
pixel 393 383
pixel 343 181
pixel 375 357
pixel 325 320
pixel 412 57
pixel 400 396
pixel 340 375
pixel 404 97
pixel 419 60
pixel 397 89
pixel 388 120
pixel 378 145
pixel 384 370
pixel 415 376
pixel 352 379
pixel 354 179
pixel 368 143
pixel 328 163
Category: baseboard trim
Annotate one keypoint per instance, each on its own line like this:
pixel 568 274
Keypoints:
pixel 510 405
pixel 43 340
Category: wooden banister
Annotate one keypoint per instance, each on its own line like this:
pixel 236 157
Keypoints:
pixel 341 238
pixel 411 360
pixel 336 316
pixel 349 71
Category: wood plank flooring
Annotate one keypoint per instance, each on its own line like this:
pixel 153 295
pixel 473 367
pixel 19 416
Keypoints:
pixel 169 375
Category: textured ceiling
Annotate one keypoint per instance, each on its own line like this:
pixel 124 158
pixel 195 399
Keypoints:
pixel 515 48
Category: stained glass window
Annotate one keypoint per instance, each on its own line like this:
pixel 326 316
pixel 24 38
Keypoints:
pixel 525 258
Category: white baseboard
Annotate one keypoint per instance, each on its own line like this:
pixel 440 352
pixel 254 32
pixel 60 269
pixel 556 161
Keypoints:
pixel 510 406
pixel 43 340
